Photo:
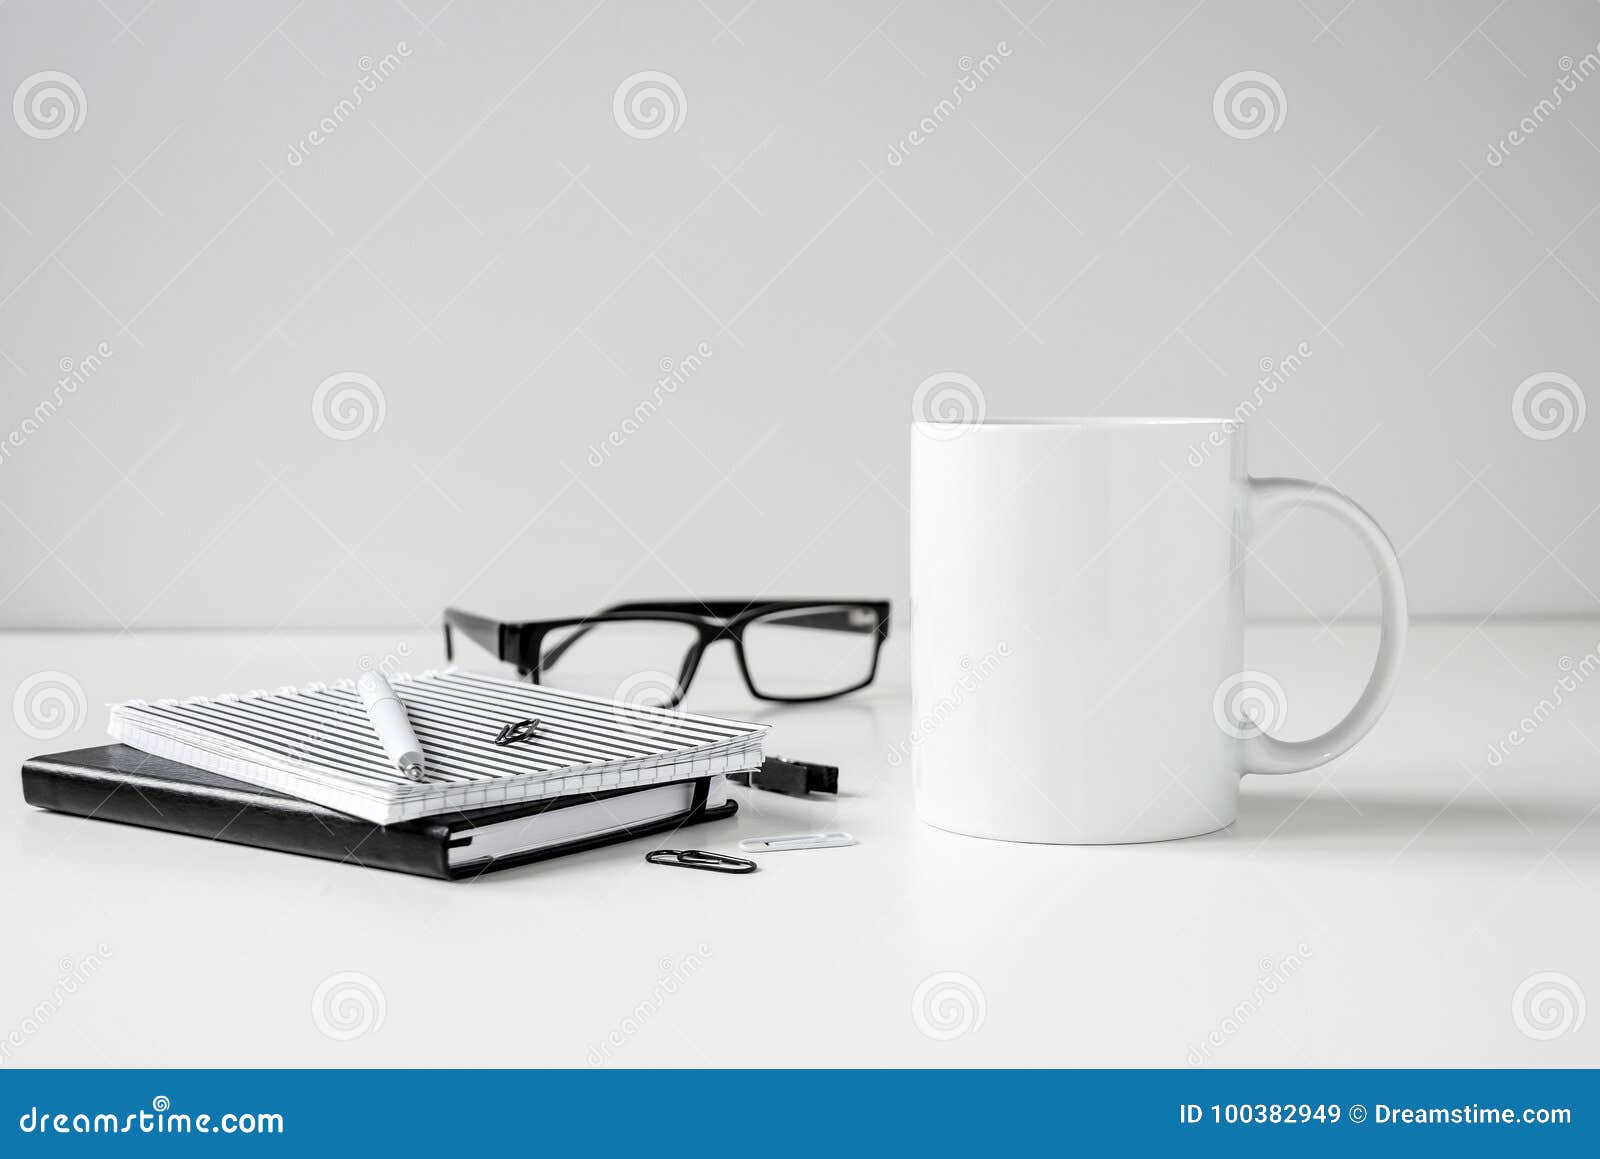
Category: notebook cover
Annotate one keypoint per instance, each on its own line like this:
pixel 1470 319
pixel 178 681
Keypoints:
pixel 316 743
pixel 120 783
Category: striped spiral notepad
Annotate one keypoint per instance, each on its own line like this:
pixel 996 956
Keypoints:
pixel 317 744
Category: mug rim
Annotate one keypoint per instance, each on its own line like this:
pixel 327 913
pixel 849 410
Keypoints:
pixel 1067 423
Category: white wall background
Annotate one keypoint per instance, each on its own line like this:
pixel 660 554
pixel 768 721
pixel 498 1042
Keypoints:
pixel 482 239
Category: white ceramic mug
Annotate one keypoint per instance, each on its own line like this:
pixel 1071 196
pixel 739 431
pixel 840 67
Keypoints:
pixel 1077 621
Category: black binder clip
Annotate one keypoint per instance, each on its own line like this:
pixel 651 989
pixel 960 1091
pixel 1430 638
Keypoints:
pixel 519 730
pixel 700 859
pixel 792 778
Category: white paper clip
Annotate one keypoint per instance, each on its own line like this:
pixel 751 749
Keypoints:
pixel 795 841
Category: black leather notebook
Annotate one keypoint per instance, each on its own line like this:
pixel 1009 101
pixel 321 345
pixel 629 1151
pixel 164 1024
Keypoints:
pixel 119 783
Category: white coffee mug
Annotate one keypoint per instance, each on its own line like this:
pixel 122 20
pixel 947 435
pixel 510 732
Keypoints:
pixel 1077 628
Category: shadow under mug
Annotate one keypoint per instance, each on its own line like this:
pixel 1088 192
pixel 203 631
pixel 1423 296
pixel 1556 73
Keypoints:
pixel 1077 628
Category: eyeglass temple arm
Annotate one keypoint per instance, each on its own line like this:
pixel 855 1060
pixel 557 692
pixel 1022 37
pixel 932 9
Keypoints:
pixel 481 630
pixel 828 613
pixel 548 660
pixel 843 616
pixel 827 618
pixel 720 609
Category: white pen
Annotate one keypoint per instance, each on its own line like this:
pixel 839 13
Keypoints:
pixel 796 841
pixel 389 721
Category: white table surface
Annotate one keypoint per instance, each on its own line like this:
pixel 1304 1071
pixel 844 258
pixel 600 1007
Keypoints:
pixel 1423 884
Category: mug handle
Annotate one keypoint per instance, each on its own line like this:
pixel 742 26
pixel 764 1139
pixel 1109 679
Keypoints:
pixel 1267 754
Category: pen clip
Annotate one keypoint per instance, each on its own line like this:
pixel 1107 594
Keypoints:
pixel 700 859
pixel 796 841
pixel 516 731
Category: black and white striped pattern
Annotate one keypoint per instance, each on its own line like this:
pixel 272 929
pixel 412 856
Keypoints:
pixel 316 743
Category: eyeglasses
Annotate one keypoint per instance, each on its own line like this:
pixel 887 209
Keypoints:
pixel 646 652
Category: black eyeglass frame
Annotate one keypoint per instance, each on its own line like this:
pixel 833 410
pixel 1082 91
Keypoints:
pixel 522 642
